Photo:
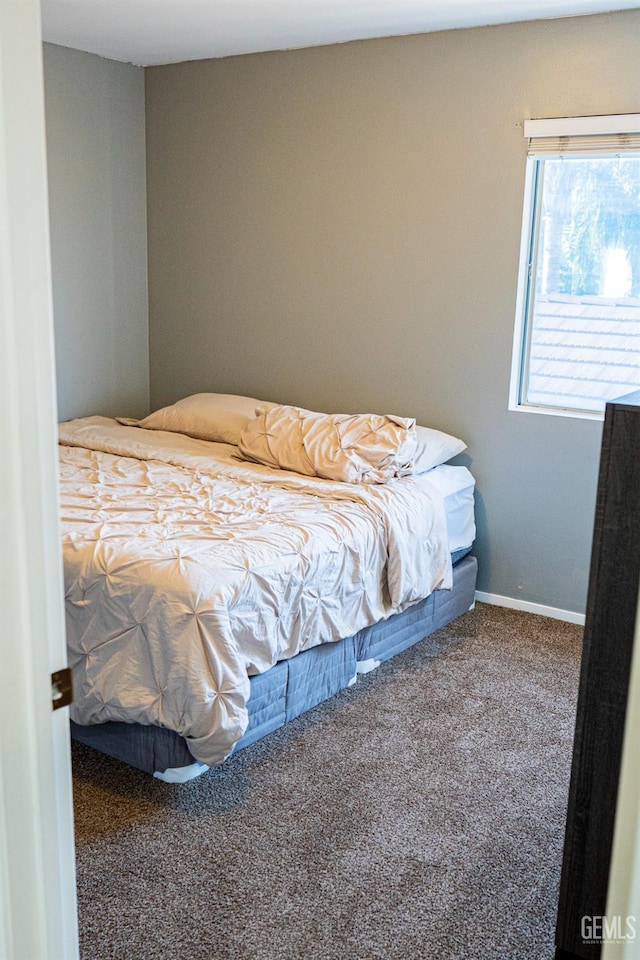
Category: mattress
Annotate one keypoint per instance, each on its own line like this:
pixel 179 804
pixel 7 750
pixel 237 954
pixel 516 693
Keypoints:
pixel 456 485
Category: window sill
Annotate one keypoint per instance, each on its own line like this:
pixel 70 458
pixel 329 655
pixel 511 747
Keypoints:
pixel 558 412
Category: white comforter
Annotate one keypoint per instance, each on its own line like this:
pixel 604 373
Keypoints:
pixel 188 569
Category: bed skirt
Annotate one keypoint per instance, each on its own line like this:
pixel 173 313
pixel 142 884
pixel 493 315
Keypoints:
pixel 292 686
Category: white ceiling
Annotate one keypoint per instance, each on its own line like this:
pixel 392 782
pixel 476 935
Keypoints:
pixel 147 32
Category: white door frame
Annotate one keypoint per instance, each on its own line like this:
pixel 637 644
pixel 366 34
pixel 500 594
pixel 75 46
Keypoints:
pixel 37 869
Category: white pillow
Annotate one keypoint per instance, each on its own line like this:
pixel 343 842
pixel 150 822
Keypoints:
pixel 434 447
pixel 220 417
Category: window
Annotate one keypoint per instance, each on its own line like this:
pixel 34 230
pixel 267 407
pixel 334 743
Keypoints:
pixel 577 340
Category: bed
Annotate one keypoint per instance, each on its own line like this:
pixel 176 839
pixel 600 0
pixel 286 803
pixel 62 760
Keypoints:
pixel 229 565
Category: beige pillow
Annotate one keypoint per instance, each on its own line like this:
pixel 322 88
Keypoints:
pixel 360 448
pixel 220 417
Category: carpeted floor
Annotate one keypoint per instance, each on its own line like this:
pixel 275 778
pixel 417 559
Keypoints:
pixel 419 814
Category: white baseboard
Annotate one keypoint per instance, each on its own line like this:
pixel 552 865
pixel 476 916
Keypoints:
pixel 543 611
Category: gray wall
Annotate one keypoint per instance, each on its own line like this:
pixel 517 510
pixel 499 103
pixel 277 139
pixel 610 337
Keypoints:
pixel 97 198
pixel 339 228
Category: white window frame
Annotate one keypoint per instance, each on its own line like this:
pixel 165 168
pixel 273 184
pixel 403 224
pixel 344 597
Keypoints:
pixel 554 127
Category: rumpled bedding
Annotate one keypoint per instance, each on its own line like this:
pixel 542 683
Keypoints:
pixel 353 448
pixel 188 569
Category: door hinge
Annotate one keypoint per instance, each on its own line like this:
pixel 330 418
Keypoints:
pixel 61 688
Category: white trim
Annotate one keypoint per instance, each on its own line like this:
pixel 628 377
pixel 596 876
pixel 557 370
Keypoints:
pixel 582 126
pixel 37 878
pixel 556 411
pixel 523 287
pixel 541 609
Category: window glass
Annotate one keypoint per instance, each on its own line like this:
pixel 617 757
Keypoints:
pixel 581 330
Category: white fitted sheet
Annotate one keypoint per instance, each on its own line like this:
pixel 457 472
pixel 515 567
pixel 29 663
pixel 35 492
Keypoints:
pixel 456 485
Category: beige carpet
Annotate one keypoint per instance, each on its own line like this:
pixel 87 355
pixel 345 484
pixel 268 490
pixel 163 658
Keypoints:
pixel 419 814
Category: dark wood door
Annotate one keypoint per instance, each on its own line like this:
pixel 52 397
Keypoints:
pixel 604 681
